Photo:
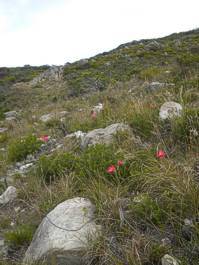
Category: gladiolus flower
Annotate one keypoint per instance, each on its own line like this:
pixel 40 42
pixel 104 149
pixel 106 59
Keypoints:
pixel 44 138
pixel 160 154
pixel 111 169
pixel 120 163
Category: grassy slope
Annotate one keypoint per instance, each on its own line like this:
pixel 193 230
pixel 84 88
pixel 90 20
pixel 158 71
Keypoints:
pixel 169 187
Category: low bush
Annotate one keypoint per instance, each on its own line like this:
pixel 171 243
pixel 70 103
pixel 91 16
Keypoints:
pixel 51 167
pixel 95 161
pixel 20 148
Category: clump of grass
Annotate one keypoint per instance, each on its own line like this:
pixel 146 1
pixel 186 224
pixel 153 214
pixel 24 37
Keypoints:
pixel 185 129
pixel 20 237
pixel 54 166
pixel 20 148
pixel 143 121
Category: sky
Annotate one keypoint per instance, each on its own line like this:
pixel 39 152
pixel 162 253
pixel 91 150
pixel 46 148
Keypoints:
pixel 54 32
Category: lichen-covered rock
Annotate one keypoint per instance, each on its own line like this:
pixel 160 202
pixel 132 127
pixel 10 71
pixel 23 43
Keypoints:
pixel 103 136
pixel 64 234
pixel 170 110
pixel 9 195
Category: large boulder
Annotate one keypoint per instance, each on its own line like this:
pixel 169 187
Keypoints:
pixel 9 195
pixel 64 234
pixel 103 136
pixel 170 110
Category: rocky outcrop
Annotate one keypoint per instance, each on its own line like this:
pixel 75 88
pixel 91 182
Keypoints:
pixel 170 110
pixel 64 233
pixel 9 195
pixel 103 136
pixel 54 73
pixel 153 46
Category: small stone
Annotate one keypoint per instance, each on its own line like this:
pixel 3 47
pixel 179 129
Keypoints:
pixel 169 260
pixel 98 108
pixel 9 195
pixel 170 110
pixel 166 241
pixel 3 130
pixel 17 209
pixel 25 167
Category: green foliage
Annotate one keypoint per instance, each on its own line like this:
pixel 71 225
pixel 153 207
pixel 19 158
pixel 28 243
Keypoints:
pixel 19 74
pixel 150 73
pixel 3 138
pixel 21 236
pixel 49 168
pixel 147 209
pixel 20 148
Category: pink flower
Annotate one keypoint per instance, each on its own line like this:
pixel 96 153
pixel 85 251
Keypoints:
pixel 44 138
pixel 120 163
pixel 111 169
pixel 93 114
pixel 160 154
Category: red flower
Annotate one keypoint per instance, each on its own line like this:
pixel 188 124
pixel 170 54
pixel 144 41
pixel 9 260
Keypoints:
pixel 111 169
pixel 160 154
pixel 44 138
pixel 120 163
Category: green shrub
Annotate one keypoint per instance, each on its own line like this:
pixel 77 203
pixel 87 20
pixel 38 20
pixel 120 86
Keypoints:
pixel 20 148
pixel 147 209
pixel 21 236
pixel 51 167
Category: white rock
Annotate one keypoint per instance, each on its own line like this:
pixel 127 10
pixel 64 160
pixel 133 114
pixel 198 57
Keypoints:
pixel 103 136
pixel 25 167
pixel 9 195
pixel 169 110
pixel 64 233
pixel 47 117
pixel 2 130
pixel 77 134
pixel 10 114
pixel 98 108
pixel 168 260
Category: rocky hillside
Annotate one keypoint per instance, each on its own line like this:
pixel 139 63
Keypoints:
pixel 99 159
